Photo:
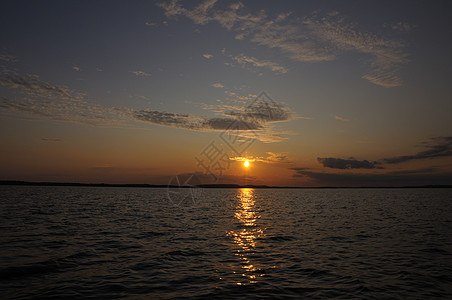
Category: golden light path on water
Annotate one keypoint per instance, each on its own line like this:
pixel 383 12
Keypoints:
pixel 245 237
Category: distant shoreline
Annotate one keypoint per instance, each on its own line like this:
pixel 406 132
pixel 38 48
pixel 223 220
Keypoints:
pixel 233 186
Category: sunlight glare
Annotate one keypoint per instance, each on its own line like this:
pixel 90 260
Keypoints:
pixel 246 164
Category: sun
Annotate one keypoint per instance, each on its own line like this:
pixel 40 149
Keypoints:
pixel 246 164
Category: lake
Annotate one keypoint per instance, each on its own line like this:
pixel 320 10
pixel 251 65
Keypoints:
pixel 150 243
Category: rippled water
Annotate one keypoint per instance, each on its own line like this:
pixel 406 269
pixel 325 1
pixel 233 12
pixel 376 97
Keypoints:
pixel 78 242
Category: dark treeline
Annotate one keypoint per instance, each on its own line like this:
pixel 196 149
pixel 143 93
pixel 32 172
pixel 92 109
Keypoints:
pixel 235 186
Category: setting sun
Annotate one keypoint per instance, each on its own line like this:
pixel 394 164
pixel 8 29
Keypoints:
pixel 246 164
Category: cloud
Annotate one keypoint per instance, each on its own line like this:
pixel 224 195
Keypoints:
pixel 427 176
pixel 341 119
pixel 49 101
pixel 208 56
pixel 251 121
pixel 383 78
pixel 271 159
pixel 400 26
pixel 168 119
pixel 245 60
pixel 186 121
pixel 51 140
pixel 8 58
pixel 46 100
pixel 437 147
pixel 236 6
pixel 140 73
pixel 339 163
pixel 218 85
pixel 260 110
pixel 313 38
pixel 276 157
pixel 34 87
pixel 76 68
pixel 150 24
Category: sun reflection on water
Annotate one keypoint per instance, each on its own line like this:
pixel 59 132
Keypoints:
pixel 246 235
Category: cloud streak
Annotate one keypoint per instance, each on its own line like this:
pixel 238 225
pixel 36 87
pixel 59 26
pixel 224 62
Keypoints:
pixel 252 121
pixel 46 100
pixel 246 60
pixel 338 163
pixel 272 158
pixel 312 38
pixel 33 86
pixel 8 58
pixel 427 176
pixel 218 85
pixel 341 119
pixel 437 147
pixel 140 73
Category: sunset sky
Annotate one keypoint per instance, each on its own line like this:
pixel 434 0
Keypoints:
pixel 312 93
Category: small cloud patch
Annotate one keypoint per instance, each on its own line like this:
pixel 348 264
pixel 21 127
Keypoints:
pixel 140 73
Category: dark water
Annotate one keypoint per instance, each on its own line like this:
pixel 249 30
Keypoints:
pixel 78 242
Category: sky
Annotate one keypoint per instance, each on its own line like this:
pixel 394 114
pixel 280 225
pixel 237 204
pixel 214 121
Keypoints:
pixel 311 93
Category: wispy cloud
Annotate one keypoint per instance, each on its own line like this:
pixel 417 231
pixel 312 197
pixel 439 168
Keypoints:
pixel 437 147
pixel 51 140
pixel 341 119
pixel 46 100
pixel 339 163
pixel 8 58
pixel 253 120
pixel 150 24
pixel 207 55
pixel 272 158
pixel 247 60
pixel 426 176
pixel 218 85
pixel 33 86
pixel 400 26
pixel 313 38
pixel 140 73
pixel 76 68
pixel 383 78
pixel 42 99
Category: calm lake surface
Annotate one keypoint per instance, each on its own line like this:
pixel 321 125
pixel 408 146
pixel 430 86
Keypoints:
pixel 80 242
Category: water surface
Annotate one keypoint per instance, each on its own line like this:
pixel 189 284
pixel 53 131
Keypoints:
pixel 78 242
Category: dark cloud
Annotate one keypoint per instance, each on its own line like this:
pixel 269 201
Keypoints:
pixel 186 121
pixel 242 119
pixel 437 147
pixel 225 123
pixel 339 163
pixel 427 176
pixel 165 118
pixel 262 112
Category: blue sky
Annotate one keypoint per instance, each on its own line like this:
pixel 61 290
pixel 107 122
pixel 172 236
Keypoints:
pixel 355 81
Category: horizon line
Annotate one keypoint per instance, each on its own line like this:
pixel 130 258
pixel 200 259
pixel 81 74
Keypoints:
pixel 146 185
